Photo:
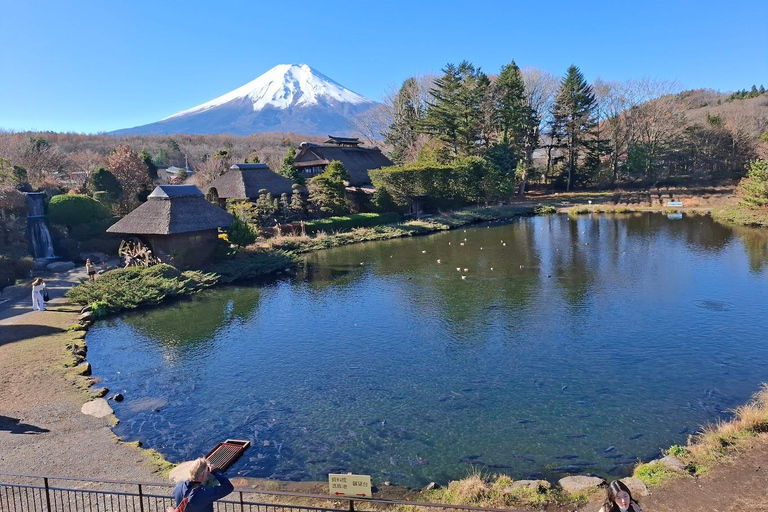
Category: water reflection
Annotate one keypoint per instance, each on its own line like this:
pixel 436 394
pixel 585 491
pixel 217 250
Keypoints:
pixel 380 359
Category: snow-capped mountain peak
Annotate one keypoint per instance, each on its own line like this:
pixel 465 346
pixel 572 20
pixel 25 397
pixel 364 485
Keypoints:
pixel 284 86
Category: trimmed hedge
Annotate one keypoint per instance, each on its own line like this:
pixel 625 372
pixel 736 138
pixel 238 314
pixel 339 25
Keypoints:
pixel 73 210
pixel 347 222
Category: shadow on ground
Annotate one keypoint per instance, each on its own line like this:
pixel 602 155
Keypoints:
pixel 18 332
pixel 15 426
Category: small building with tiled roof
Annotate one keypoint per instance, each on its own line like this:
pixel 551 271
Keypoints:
pixel 312 158
pixel 243 181
pixel 176 223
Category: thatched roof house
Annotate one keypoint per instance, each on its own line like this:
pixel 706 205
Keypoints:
pixel 243 181
pixel 177 223
pixel 312 158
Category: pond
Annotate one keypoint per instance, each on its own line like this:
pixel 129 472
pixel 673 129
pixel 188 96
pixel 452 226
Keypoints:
pixel 538 348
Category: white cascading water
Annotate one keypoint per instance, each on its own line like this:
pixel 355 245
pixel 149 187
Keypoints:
pixel 37 231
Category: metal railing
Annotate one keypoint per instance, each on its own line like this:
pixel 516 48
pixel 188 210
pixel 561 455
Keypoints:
pixel 38 493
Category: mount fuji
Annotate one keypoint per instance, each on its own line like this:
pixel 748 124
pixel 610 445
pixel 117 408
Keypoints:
pixel 287 98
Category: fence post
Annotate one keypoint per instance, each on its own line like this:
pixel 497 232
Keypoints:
pixel 242 504
pixel 351 506
pixel 141 499
pixel 47 494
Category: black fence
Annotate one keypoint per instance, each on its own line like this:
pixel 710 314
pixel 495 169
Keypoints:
pixel 36 493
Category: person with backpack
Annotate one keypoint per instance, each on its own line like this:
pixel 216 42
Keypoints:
pixel 198 485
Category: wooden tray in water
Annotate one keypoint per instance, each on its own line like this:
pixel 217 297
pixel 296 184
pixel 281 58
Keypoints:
pixel 225 454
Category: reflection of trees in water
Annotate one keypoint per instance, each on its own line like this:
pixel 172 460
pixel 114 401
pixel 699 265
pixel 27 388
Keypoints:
pixel 755 242
pixel 697 230
pixel 573 244
pixel 466 306
pixel 191 323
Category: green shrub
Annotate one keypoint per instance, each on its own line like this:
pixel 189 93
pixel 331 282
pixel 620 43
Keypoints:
pixel 677 451
pixel 12 269
pixel 654 473
pixel 129 288
pixel 73 210
pixel 347 222
pixel 544 210
pixel 104 181
pixel 240 233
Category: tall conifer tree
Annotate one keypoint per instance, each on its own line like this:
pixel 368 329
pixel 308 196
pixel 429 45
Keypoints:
pixel 574 120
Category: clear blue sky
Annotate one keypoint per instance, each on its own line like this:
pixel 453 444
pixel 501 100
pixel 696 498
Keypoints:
pixel 99 65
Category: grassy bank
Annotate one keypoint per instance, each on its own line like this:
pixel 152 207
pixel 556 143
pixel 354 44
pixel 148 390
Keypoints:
pixel 443 222
pixel 742 216
pixel 716 443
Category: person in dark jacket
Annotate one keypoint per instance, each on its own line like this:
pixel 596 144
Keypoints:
pixel 198 485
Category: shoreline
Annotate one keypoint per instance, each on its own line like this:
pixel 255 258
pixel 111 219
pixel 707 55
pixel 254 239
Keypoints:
pixel 83 393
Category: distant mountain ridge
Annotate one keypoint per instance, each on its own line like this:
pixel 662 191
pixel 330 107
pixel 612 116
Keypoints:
pixel 287 98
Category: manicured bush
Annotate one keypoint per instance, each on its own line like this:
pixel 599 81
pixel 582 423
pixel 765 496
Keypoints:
pixel 73 210
pixel 347 222
pixel 240 233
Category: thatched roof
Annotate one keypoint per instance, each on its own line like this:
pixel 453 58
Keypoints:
pixel 243 181
pixel 357 160
pixel 172 209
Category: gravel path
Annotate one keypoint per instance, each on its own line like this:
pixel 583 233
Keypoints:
pixel 42 430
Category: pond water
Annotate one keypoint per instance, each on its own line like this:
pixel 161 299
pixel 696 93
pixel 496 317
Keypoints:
pixel 538 348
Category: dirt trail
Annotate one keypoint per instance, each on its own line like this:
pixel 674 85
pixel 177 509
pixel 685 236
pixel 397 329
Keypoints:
pixel 42 430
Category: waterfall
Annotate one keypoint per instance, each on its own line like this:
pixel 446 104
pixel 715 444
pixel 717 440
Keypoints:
pixel 37 231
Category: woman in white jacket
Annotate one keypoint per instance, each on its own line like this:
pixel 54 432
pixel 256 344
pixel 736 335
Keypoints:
pixel 38 289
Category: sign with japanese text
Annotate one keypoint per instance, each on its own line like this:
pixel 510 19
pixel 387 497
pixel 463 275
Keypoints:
pixel 356 486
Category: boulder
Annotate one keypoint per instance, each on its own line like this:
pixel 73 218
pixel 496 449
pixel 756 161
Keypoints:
pixel 98 408
pixel 117 397
pixel 431 486
pixel 574 484
pixel 60 266
pixel 636 486
pixel 85 317
pixel 40 264
pixel 673 463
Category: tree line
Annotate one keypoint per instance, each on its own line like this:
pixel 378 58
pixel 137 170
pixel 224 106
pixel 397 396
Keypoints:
pixel 565 133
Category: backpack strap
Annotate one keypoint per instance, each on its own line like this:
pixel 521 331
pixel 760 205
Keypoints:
pixel 183 504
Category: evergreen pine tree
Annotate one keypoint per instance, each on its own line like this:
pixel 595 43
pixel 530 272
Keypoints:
pixel 574 120
pixel 513 113
pixel 288 170
pixel 442 116
pixel 298 205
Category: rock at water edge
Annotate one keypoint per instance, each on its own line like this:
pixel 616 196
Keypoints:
pixel 98 408
pixel 636 486
pixel 574 484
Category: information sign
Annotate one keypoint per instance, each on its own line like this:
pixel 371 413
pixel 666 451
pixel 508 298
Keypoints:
pixel 357 486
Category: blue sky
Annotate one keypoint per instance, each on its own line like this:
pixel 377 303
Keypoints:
pixel 90 66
